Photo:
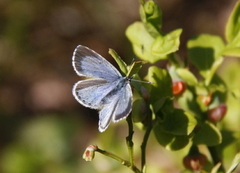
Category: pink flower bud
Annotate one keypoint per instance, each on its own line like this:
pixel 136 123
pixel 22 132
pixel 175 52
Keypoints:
pixel 206 99
pixel 195 162
pixel 218 113
pixel 89 153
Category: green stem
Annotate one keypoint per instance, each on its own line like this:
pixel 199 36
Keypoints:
pixel 129 139
pixel 216 158
pixel 144 143
pixel 123 162
pixel 130 145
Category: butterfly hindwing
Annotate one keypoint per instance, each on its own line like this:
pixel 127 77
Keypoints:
pixel 92 92
pixel 124 105
pixel 119 107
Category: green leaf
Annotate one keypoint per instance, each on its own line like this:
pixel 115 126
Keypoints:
pixel 233 47
pixel 168 140
pixel 162 83
pixel 152 48
pixel 135 67
pixel 164 45
pixel 233 24
pixel 179 122
pixel 127 71
pixel 187 102
pixel 151 17
pixel 234 164
pixel 187 76
pixel 216 167
pixel 158 105
pixel 214 68
pixel 122 65
pixel 205 53
pixel 141 41
pixel 208 135
pixel 231 51
pixel 151 30
pixel 229 137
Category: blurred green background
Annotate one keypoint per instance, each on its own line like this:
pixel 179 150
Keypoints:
pixel 42 127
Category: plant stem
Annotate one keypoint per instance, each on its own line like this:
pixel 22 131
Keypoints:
pixel 130 145
pixel 216 158
pixel 123 162
pixel 144 143
pixel 129 139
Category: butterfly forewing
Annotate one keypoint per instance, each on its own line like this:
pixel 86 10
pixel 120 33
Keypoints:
pixel 87 62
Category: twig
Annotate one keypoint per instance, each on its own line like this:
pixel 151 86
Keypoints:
pixel 144 143
pixel 129 139
pixel 115 157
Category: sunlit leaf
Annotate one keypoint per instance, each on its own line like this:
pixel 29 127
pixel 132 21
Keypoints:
pixel 232 33
pixel 162 83
pixel 234 164
pixel 188 102
pixel 232 51
pixel 122 65
pixel 141 41
pixel 233 24
pixel 151 17
pixel 135 67
pixel 164 45
pixel 152 48
pixel 215 169
pixel 187 76
pixel 205 53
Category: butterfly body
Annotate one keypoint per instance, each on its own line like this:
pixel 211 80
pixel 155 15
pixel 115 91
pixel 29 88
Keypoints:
pixel 104 88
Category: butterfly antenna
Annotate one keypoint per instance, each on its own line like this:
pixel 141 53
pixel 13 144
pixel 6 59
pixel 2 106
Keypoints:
pixel 135 80
pixel 133 60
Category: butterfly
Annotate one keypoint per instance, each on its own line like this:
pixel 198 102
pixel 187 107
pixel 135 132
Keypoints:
pixel 103 87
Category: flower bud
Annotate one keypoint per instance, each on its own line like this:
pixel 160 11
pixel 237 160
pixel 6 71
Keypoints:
pixel 89 153
pixel 145 93
pixel 206 99
pixel 194 162
pixel 217 114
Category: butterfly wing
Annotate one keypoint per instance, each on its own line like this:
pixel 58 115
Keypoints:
pixel 92 92
pixel 106 91
pixel 88 63
pixel 124 105
pixel 119 107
